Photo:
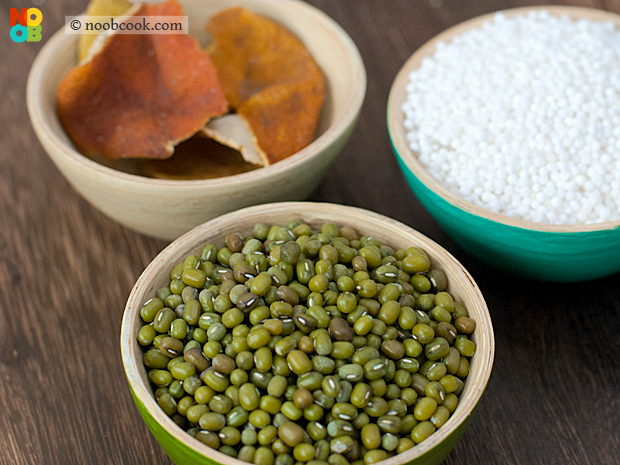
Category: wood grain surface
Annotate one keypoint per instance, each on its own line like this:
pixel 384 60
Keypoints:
pixel 66 271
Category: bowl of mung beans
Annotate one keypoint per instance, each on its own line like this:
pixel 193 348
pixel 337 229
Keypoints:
pixel 515 154
pixel 168 206
pixel 310 333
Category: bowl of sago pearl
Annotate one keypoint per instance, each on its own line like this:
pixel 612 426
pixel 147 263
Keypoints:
pixel 507 129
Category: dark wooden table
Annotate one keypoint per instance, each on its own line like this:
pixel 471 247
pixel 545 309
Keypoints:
pixel 66 271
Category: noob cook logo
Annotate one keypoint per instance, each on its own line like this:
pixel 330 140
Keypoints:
pixel 26 24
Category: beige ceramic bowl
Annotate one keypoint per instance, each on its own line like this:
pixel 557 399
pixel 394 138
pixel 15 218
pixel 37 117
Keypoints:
pixel 168 208
pixel 184 449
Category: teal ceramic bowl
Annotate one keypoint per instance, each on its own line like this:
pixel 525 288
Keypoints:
pixel 184 449
pixel 561 253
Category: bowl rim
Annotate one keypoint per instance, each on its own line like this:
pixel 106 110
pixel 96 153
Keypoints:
pixel 40 122
pixel 218 226
pixel 397 131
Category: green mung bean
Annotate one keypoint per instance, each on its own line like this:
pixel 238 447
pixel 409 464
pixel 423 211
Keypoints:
pixel 321 347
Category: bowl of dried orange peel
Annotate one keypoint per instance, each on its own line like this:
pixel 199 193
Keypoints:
pixel 162 132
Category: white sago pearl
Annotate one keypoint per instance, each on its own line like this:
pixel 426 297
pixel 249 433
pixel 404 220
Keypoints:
pixel 530 135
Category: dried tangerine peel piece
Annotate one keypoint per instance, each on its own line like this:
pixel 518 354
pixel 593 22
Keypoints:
pixel 233 131
pixel 283 118
pixel 112 8
pixel 141 94
pixel 199 157
pixel 269 78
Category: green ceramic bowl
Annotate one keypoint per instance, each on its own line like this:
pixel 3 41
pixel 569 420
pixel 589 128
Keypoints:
pixel 184 449
pixel 562 253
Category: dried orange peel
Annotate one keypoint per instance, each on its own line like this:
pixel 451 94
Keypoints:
pixel 167 94
pixel 111 8
pixel 233 131
pixel 269 78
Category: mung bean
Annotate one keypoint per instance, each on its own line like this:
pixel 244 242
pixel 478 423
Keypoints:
pixel 322 347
